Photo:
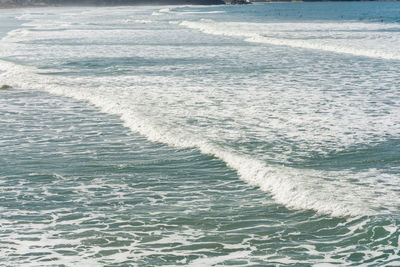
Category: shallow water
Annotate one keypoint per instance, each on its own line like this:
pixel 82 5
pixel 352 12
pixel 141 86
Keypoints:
pixel 265 134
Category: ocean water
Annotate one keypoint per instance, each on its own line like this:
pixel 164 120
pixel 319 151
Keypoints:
pixel 257 135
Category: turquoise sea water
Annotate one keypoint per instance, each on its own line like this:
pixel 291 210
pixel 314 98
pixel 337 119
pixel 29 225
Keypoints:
pixel 257 135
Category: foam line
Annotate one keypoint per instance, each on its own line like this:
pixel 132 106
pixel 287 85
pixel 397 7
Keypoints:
pixel 330 36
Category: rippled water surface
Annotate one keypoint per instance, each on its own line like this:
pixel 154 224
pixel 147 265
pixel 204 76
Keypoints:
pixel 202 136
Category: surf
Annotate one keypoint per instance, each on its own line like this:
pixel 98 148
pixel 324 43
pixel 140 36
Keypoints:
pixel 165 109
pixel 294 188
pixel 378 40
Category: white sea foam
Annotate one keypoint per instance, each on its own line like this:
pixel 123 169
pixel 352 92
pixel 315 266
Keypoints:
pixel 212 261
pixel 360 39
pixel 140 21
pixel 165 10
pixel 159 107
pixel 200 12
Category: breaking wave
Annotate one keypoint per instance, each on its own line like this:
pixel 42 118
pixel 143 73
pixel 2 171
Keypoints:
pixel 360 39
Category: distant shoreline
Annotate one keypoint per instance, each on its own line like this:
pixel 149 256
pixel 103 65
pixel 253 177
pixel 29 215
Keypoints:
pixel 140 3
pixel 9 5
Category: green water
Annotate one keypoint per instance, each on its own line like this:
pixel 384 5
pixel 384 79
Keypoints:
pixel 263 135
pixel 79 187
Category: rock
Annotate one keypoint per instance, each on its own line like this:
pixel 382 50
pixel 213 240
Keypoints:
pixel 5 87
pixel 240 2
